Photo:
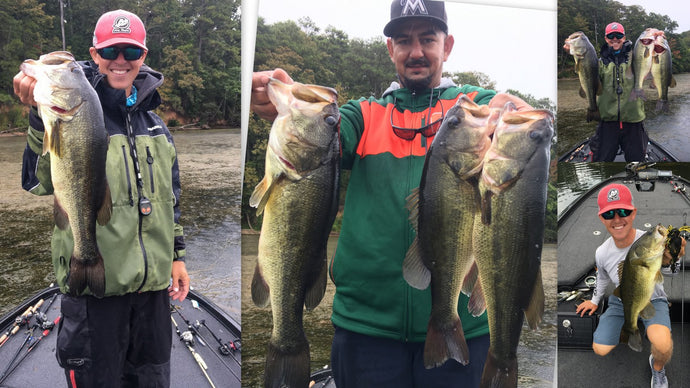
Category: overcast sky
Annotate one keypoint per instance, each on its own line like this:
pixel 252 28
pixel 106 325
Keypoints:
pixel 513 46
pixel 678 10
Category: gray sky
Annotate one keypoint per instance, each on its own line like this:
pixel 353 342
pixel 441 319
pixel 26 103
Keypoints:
pixel 678 10
pixel 513 46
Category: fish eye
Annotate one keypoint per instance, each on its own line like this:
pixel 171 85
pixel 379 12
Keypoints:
pixel 453 121
pixel 535 135
pixel 331 120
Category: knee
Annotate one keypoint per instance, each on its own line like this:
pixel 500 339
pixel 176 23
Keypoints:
pixel 602 350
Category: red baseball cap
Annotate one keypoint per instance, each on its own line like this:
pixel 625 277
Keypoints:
pixel 614 27
pixel 119 26
pixel 615 196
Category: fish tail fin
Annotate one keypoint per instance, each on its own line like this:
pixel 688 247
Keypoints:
pixel 95 276
pixel 446 342
pixel 593 115
pixel 87 273
pixel 499 374
pixel 637 93
pixel 287 367
pixel 662 106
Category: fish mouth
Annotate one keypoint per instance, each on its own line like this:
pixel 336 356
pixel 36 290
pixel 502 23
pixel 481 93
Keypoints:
pixel 659 49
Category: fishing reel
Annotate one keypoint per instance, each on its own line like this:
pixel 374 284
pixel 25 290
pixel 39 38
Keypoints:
pixel 674 243
pixel 187 337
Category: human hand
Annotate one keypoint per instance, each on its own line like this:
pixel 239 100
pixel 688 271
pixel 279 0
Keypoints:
pixel 667 259
pixel 24 88
pixel 500 100
pixel 260 103
pixel 180 281
pixel 586 306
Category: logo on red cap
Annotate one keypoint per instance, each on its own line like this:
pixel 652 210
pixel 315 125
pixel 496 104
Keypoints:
pixel 121 25
pixel 613 195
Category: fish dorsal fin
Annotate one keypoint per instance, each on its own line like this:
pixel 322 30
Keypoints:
pixel 535 309
pixel 414 271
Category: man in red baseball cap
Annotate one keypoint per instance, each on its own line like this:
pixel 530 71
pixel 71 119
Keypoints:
pixel 617 212
pixel 124 337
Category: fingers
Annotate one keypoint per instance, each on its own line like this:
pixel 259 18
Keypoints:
pixel 179 287
pixel 260 103
pixel 24 88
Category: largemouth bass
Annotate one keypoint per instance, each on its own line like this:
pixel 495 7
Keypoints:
pixel 638 274
pixel 509 233
pixel 642 58
pixel 298 197
pixel 442 211
pixel 76 138
pixel 662 71
pixel 587 69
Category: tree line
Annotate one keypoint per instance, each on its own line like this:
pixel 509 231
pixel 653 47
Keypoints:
pixel 194 43
pixel 592 16
pixel 355 68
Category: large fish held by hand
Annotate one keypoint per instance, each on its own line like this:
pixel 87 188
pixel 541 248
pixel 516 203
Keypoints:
pixel 587 69
pixel 638 275
pixel 509 233
pixel 298 197
pixel 662 71
pixel 442 210
pixel 642 58
pixel 76 138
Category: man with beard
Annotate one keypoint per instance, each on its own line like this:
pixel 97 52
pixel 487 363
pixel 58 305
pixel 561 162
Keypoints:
pixel 380 321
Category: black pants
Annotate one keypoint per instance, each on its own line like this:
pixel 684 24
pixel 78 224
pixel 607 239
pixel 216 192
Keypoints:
pixel 361 361
pixel 118 341
pixel 632 139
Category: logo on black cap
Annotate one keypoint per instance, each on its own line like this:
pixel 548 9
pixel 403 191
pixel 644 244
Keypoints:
pixel 410 7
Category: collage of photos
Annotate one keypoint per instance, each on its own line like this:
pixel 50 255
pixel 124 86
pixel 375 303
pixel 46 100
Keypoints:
pixel 318 193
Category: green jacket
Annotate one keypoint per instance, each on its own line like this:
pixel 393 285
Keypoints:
pixel 616 69
pixel 137 250
pixel 371 296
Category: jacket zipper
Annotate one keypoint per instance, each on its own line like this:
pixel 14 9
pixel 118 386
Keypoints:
pixel 149 161
pixel 129 181
pixel 133 152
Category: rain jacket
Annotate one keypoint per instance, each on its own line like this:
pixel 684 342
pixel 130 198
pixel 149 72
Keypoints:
pixel 372 298
pixel 137 250
pixel 616 69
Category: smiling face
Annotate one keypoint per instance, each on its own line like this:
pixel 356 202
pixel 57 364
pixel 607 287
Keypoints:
pixel 621 229
pixel 615 43
pixel 120 73
pixel 418 50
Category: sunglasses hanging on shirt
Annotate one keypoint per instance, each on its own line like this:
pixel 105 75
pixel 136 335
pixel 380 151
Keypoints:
pixel 427 130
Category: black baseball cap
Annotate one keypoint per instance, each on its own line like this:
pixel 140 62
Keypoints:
pixel 402 10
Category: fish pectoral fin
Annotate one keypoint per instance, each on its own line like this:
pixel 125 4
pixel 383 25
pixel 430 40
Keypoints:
pixel 535 309
pixel 260 289
pixel 583 94
pixel 260 195
pixel 60 215
pixel 317 288
pixel 672 84
pixel 659 277
pixel 106 209
pixel 51 138
pixel 648 311
pixel 617 292
pixel 621 265
pixel 414 271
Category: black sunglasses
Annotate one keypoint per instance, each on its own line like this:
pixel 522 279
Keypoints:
pixel 130 53
pixel 426 131
pixel 615 35
pixel 611 213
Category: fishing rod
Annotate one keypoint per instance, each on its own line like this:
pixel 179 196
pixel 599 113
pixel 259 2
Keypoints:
pixel 224 349
pixel 20 320
pixel 195 329
pixel 188 340
pixel 11 368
